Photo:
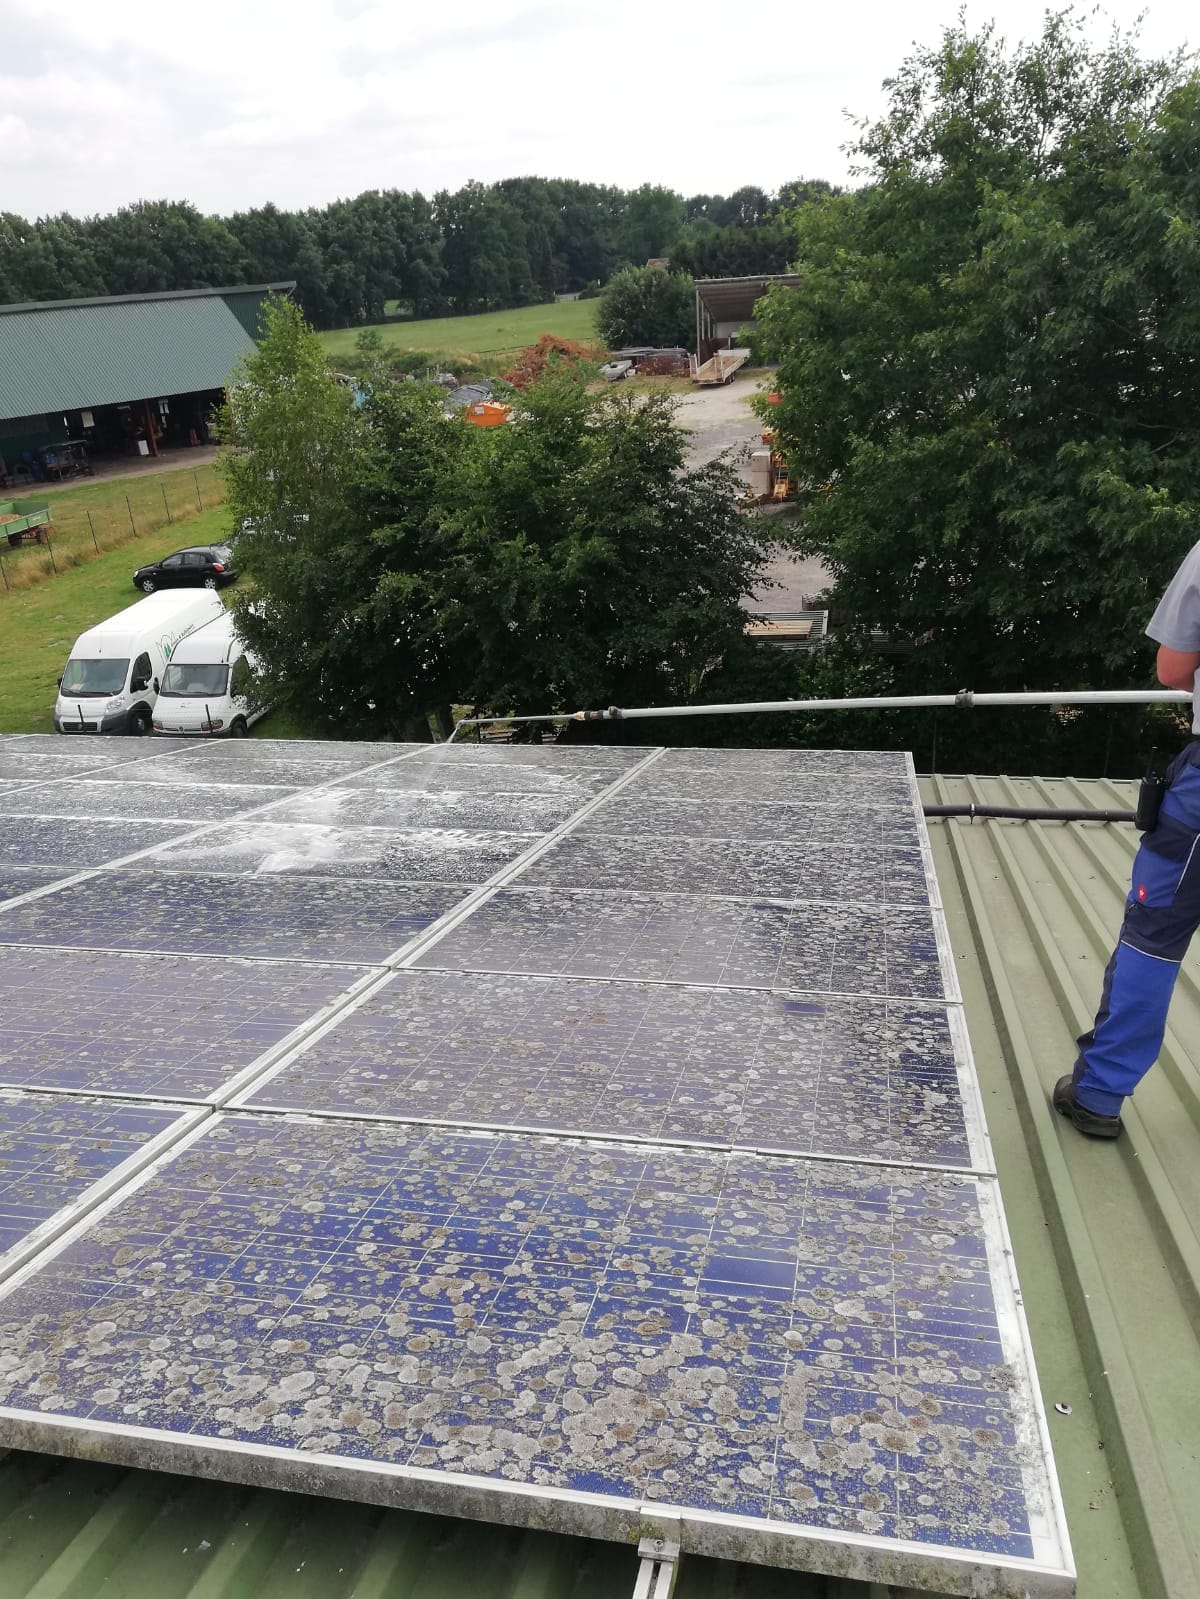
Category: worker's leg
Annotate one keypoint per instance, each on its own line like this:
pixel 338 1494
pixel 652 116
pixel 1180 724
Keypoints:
pixel 1161 914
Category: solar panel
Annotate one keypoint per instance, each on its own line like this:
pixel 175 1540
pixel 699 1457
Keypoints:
pixel 195 913
pixel 858 873
pixel 799 1072
pixel 53 1151
pixel 895 951
pixel 808 1349
pixel 634 816
pixel 75 843
pixel 166 1027
pixel 652 1187
pixel 439 808
pixel 191 802
pixel 432 855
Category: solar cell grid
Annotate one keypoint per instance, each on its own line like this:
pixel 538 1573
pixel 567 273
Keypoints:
pixel 52 1150
pixel 807 1073
pixel 684 938
pixel 270 847
pixel 814 1346
pixel 167 1027
pixel 194 803
pixel 679 865
pixel 194 913
pixel 17 880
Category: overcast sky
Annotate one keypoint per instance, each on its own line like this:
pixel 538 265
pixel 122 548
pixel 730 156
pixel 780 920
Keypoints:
pixel 235 102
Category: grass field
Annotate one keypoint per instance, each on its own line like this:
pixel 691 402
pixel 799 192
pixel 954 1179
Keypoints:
pixel 39 624
pixel 454 337
pixel 122 511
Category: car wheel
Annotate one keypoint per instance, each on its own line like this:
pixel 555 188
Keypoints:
pixel 139 721
pixel 239 728
pixel 147 585
pixel 210 583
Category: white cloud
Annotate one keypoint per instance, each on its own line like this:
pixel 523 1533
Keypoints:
pixel 252 100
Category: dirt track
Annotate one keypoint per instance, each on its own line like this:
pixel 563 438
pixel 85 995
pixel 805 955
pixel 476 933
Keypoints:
pixel 721 419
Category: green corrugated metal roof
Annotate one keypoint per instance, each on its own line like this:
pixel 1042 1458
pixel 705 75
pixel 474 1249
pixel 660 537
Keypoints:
pixel 1105 1235
pixel 81 353
pixel 1106 1245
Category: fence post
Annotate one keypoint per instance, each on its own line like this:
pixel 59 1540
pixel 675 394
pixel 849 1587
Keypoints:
pixel 92 531
pixel 132 523
pixel 50 547
pixel 166 507
pixel 3 574
pixel 199 501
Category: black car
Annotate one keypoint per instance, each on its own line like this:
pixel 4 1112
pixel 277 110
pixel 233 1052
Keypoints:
pixel 202 566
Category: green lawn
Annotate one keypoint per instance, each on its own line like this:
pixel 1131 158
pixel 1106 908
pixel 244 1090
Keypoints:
pixel 456 336
pixel 107 513
pixel 39 624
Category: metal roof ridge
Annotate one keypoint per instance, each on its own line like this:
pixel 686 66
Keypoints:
pixel 285 286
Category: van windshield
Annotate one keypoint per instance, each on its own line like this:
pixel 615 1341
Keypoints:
pixel 195 681
pixel 85 679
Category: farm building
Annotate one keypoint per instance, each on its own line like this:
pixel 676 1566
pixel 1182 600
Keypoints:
pixel 127 375
pixel 724 306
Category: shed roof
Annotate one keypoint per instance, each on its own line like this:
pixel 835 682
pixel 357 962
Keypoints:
pixel 734 299
pixel 66 354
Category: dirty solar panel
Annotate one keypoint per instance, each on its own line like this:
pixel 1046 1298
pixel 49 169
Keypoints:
pixel 810 1346
pixel 168 1026
pixel 65 759
pixel 686 938
pixel 17 880
pixel 575 784
pixel 77 843
pixel 831 790
pixel 877 826
pixel 860 874
pixel 799 1072
pixel 211 764
pixel 444 808
pixel 194 913
pixel 53 1149
pixel 269 847
pixel 190 802
pixel 800 763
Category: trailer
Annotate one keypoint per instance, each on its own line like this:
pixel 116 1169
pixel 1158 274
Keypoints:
pixel 24 521
pixel 721 367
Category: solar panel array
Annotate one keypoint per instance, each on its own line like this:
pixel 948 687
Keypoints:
pixel 579 1137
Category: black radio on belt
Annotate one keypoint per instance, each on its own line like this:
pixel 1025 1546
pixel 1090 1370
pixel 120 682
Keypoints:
pixel 1150 798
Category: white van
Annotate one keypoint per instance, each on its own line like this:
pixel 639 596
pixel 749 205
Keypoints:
pixel 114 671
pixel 210 688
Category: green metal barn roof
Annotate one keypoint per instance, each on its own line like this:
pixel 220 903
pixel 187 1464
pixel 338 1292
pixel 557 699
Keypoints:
pixel 68 354
pixel 1107 1249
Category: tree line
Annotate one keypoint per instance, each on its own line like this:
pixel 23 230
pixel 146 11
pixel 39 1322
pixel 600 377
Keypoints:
pixel 483 247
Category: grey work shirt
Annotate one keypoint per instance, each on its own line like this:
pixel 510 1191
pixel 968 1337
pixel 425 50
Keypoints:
pixel 1176 622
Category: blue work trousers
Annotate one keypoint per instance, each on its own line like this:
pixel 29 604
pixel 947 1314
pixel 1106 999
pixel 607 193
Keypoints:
pixel 1161 914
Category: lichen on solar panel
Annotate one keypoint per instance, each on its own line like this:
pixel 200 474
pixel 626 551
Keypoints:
pixel 78 842
pixel 202 913
pixel 444 808
pixel 802 1072
pixel 819 871
pixel 813 1345
pixel 754 787
pixel 687 938
pixel 171 1026
pixel 52 1149
pixel 667 817
pixel 194 802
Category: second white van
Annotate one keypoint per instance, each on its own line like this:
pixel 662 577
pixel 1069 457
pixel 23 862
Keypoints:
pixel 115 669
pixel 210 689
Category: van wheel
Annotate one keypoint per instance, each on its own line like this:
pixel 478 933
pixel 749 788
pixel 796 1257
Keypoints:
pixel 139 722
pixel 148 585
pixel 239 729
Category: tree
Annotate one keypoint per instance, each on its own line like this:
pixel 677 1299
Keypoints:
pixel 642 305
pixel 989 377
pixel 403 560
pixel 160 245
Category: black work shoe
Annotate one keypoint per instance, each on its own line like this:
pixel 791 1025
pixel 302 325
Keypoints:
pixel 1087 1121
